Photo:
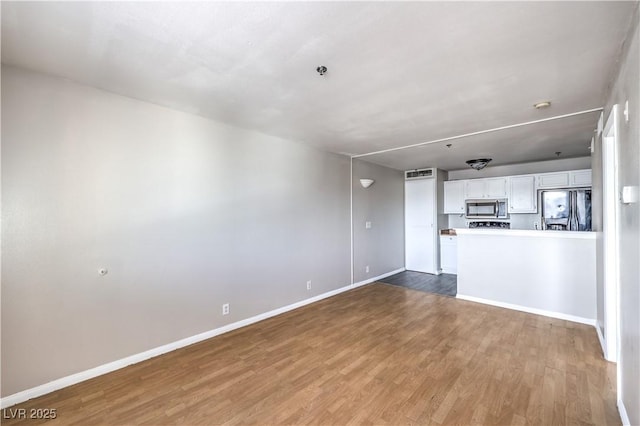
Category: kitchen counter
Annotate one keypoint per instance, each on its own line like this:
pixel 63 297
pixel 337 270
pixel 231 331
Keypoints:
pixel 526 233
pixel 546 272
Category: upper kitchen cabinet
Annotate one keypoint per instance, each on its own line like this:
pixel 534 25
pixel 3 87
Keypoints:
pixel 522 194
pixel 454 197
pixel 496 187
pixel 580 177
pixel 486 188
pixel 573 178
pixel 553 180
pixel 474 188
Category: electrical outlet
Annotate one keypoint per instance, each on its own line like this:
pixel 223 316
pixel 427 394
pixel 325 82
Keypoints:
pixel 366 269
pixel 367 225
pixel 225 309
pixel 309 285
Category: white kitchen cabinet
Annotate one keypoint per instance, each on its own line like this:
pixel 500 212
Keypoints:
pixel 572 178
pixel 522 194
pixel 454 197
pixel 449 254
pixel 553 180
pixel 496 187
pixel 580 177
pixel 486 188
pixel 473 189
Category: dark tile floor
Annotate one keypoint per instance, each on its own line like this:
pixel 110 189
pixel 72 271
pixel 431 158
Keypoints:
pixel 444 284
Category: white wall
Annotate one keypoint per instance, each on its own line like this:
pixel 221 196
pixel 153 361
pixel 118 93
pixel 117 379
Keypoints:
pixel 626 86
pixel 552 271
pixel 382 246
pixel 186 214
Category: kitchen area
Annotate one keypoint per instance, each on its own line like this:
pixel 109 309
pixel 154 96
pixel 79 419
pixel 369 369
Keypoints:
pixel 520 241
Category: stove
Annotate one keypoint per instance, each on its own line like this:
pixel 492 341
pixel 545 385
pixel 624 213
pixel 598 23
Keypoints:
pixel 490 224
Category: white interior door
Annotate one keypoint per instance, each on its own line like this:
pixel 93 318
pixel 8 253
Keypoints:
pixel 419 196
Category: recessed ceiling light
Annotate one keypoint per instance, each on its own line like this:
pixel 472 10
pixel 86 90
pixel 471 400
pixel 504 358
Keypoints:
pixel 543 104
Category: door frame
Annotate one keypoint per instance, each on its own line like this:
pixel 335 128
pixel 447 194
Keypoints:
pixel 611 236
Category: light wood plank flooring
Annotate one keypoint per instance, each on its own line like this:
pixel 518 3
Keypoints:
pixel 379 354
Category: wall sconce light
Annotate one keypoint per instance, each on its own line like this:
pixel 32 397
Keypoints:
pixel 366 182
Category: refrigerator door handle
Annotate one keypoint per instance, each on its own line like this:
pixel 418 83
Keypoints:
pixel 573 213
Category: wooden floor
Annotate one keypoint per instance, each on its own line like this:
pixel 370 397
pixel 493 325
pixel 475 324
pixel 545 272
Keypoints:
pixel 379 354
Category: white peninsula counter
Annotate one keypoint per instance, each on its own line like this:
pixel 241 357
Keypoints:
pixel 551 273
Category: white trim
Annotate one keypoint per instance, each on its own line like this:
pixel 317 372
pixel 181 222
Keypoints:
pixel 623 413
pixel 481 132
pixel 527 309
pixel 379 277
pixel 611 235
pixel 600 124
pixel 601 339
pixel 351 212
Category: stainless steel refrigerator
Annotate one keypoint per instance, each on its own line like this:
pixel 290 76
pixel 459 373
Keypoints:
pixel 566 209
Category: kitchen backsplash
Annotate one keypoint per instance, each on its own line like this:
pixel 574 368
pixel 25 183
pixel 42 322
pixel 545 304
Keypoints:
pixel 517 221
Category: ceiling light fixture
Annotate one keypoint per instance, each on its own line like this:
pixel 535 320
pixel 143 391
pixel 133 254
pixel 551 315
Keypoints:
pixel 321 69
pixel 543 104
pixel 478 163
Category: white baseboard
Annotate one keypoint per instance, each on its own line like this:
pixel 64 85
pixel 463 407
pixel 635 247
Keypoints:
pixel 379 277
pixel 527 309
pixel 73 379
pixel 623 413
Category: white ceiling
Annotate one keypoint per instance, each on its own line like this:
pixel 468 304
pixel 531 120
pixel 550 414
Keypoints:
pixel 398 73
pixel 570 136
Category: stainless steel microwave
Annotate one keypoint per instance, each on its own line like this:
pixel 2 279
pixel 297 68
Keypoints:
pixel 486 209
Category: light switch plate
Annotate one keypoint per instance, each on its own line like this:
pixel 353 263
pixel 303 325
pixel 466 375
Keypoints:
pixel 629 194
pixel 626 111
